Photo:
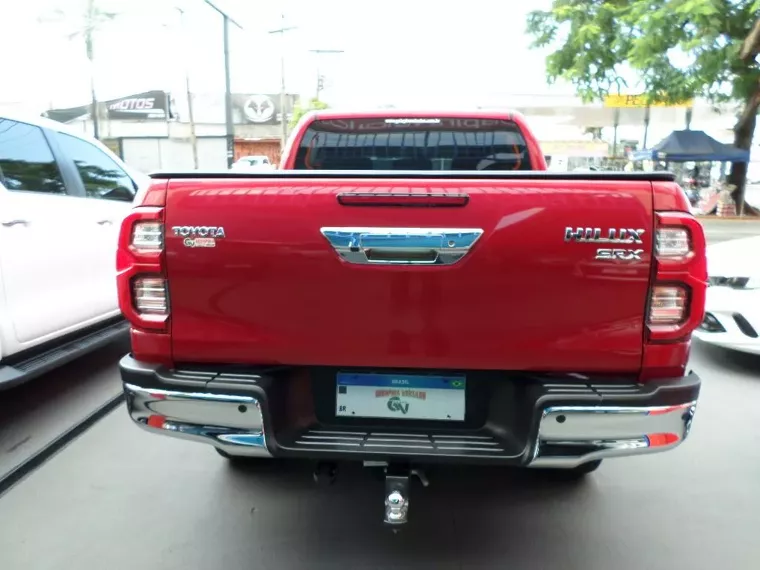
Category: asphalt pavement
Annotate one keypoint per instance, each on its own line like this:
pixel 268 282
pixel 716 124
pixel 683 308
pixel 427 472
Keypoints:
pixel 119 498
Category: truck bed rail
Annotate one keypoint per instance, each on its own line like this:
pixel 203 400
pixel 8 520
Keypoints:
pixel 420 174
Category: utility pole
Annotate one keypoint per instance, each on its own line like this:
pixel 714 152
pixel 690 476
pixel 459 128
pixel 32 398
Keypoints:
pixel 193 138
pixel 646 127
pixel 283 102
pixel 88 40
pixel 320 79
pixel 227 84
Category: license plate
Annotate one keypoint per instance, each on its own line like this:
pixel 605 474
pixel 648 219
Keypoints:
pixel 400 396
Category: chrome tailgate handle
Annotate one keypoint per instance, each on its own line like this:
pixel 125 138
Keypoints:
pixel 402 246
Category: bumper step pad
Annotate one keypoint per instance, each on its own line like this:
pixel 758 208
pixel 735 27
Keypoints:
pixel 397 443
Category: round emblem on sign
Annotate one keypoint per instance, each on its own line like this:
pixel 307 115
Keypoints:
pixel 259 108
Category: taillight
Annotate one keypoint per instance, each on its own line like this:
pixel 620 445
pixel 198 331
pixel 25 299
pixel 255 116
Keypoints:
pixel 141 275
pixel 677 299
pixel 150 295
pixel 672 242
pixel 668 305
pixel 148 235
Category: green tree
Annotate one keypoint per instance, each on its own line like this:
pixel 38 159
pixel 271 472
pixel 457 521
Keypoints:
pixel 300 110
pixel 679 48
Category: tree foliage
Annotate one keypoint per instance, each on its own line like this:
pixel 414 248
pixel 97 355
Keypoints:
pixel 299 111
pixel 83 25
pixel 680 49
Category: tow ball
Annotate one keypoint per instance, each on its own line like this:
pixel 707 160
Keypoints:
pixel 397 486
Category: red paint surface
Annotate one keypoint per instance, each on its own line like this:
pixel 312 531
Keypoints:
pixel 274 291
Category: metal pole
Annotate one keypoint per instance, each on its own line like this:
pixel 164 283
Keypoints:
pixel 88 39
pixel 94 109
pixel 283 110
pixel 227 84
pixel 320 85
pixel 193 138
pixel 228 95
pixel 283 113
pixel 646 128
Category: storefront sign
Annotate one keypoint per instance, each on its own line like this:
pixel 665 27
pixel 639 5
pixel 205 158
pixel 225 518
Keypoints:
pixel 142 106
pixel 639 102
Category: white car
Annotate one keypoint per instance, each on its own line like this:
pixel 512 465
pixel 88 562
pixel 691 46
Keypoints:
pixel 256 162
pixel 732 317
pixel 63 196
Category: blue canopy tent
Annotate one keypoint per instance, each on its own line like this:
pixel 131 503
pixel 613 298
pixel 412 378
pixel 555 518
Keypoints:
pixel 688 145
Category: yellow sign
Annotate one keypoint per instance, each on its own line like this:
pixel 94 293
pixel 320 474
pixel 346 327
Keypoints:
pixel 639 101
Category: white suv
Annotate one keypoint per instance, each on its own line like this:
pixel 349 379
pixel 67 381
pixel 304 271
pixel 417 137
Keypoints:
pixel 63 196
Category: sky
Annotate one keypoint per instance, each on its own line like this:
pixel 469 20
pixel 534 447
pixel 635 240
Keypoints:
pixel 399 52
pixel 394 52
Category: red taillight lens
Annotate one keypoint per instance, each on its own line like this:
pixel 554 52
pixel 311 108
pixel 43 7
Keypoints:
pixel 668 305
pixel 676 305
pixel 150 295
pixel 672 243
pixel 148 236
pixel 141 278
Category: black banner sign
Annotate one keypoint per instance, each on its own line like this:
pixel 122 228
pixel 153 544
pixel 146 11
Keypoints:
pixel 146 105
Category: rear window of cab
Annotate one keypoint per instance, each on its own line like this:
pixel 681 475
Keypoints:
pixel 413 144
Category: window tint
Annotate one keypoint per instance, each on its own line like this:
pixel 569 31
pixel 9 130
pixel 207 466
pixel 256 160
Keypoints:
pixel 101 176
pixel 26 161
pixel 413 144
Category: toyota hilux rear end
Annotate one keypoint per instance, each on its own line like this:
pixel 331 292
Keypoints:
pixel 414 289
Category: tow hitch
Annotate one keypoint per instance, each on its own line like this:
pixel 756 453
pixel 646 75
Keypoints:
pixel 398 479
pixel 397 486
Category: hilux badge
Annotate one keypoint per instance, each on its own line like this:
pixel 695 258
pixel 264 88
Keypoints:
pixel 612 235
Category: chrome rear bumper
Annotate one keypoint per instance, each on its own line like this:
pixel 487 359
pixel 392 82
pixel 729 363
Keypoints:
pixel 233 415
pixel 590 433
pixel 233 424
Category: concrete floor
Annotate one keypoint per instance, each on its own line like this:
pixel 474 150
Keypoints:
pixel 34 414
pixel 119 498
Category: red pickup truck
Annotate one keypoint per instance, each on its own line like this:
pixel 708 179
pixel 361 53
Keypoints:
pixel 413 288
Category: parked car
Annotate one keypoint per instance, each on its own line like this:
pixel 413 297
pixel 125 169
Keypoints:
pixel 63 196
pixel 390 297
pixel 256 162
pixel 732 310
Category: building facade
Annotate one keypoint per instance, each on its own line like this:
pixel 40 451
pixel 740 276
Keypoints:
pixel 152 130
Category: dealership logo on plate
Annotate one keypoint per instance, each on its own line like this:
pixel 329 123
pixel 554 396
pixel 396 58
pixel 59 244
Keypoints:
pixel 395 404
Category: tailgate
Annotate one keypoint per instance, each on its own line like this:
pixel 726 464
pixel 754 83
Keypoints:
pixel 328 272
